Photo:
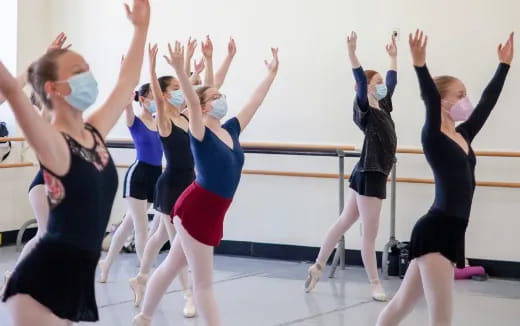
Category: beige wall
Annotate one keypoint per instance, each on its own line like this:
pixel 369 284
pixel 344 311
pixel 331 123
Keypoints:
pixel 311 100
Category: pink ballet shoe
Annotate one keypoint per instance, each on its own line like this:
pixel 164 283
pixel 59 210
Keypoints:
pixel 378 292
pixel 313 277
pixel 138 286
pixel 189 306
pixel 103 275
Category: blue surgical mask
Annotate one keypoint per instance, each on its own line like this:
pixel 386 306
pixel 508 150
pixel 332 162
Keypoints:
pixel 381 92
pixel 84 91
pixel 177 98
pixel 219 108
pixel 152 107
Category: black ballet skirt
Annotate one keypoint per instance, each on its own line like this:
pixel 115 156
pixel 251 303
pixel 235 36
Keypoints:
pixel 437 232
pixel 60 277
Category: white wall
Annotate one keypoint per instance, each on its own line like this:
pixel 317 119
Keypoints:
pixel 310 101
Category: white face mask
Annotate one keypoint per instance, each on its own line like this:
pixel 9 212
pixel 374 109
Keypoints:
pixel 219 108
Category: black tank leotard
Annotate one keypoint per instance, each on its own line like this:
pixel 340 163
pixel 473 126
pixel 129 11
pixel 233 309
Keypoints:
pixel 179 172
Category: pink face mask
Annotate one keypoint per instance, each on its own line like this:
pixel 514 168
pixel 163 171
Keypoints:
pixel 461 110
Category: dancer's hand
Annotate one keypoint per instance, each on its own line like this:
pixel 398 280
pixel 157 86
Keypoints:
pixel 139 15
pixel 152 55
pixel 199 66
pixel 506 51
pixel 352 43
pixel 207 48
pixel 176 58
pixel 58 43
pixel 391 48
pixel 272 66
pixel 190 48
pixel 418 44
pixel 232 47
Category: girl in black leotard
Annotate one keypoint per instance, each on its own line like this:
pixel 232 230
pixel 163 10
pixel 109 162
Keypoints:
pixel 437 240
pixel 54 284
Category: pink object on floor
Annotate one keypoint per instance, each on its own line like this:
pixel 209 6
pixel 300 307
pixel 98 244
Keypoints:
pixel 468 272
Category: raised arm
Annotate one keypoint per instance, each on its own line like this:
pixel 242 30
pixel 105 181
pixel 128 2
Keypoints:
pixel 190 51
pixel 391 75
pixel 490 95
pixel 198 68
pixel 175 59
pixel 40 134
pixel 207 51
pixel 221 74
pixel 247 113
pixel 163 122
pixel 107 115
pixel 429 92
pixel 57 43
pixel 359 73
pixel 21 81
pixel 129 114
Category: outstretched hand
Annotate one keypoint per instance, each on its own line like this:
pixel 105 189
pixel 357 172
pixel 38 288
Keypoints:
pixel 58 43
pixel 190 48
pixel 352 42
pixel 207 48
pixel 391 48
pixel 418 44
pixel 232 47
pixel 152 55
pixel 506 51
pixel 139 15
pixel 176 58
pixel 199 66
pixel 273 65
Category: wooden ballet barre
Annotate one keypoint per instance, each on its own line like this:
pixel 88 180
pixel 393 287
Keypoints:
pixel 317 147
pixel 15 165
pixel 495 184
pixel 5 139
pixel 477 153
pixel 399 180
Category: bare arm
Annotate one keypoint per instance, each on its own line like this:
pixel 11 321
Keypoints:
pixel 247 113
pixel 21 80
pixel 107 115
pixel 199 68
pixel 190 51
pixel 163 123
pixel 130 115
pixel 196 124
pixel 221 74
pixel 207 51
pixel 49 145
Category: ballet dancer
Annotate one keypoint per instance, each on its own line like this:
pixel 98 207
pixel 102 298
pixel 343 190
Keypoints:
pixel 54 283
pixel 437 240
pixel 219 159
pixel 372 114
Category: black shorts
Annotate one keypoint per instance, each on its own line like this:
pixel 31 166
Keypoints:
pixel 140 181
pixel 170 186
pixel 38 180
pixel 370 184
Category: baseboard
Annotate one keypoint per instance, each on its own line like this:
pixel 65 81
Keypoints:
pixel 495 268
pixel 8 238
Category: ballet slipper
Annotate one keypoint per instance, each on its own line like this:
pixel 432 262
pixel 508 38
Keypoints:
pixel 378 292
pixel 189 306
pixel 138 286
pixel 313 277
pixel 103 276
